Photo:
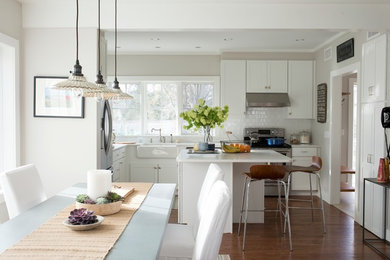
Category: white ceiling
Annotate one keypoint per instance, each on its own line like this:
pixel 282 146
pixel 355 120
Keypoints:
pixel 216 42
pixel 252 1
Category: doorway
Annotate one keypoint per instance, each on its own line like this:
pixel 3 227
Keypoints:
pixel 335 151
pixel 348 144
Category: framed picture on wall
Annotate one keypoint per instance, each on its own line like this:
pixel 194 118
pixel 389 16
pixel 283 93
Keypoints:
pixel 50 102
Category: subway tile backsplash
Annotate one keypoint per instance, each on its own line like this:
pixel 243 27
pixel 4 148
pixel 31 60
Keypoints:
pixel 266 117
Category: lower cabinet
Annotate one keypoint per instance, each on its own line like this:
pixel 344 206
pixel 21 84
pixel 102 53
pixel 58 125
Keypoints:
pixel 302 156
pixel 154 172
pixel 120 165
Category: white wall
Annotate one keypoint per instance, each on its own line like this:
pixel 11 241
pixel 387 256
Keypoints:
pixel 11 18
pixel 63 149
pixel 165 65
pixel 321 132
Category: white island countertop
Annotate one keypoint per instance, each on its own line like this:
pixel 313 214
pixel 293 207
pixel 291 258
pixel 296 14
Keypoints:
pixel 257 156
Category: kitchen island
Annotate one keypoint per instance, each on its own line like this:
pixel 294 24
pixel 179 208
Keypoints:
pixel 193 169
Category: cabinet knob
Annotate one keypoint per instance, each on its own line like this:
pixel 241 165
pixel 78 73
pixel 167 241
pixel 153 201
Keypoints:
pixel 290 113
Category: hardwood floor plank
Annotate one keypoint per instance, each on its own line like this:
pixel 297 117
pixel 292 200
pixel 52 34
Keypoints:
pixel 343 239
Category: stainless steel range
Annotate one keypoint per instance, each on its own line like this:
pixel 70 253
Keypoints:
pixel 258 137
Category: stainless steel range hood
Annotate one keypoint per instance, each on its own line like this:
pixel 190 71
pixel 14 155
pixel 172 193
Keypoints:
pixel 267 100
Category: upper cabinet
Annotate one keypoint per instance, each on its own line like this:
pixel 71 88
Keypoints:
pixel 374 70
pixel 266 76
pixel 300 89
pixel 233 81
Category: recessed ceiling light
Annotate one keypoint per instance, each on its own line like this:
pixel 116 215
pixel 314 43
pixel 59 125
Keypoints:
pixel 155 39
pixel 228 39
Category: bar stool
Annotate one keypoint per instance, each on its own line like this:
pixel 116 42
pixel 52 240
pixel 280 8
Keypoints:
pixel 315 167
pixel 265 172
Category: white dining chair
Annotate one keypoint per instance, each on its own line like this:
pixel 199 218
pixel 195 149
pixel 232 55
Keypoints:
pixel 179 239
pixel 212 223
pixel 22 189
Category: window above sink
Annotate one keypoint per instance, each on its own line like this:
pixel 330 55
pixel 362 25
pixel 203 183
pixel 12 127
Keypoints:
pixel 158 101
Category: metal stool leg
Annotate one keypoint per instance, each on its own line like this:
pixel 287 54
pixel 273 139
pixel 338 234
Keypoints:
pixel 311 198
pixel 246 211
pixel 322 203
pixel 286 196
pixel 242 205
pixel 287 214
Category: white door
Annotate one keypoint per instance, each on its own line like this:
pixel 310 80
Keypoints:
pixel 233 81
pixel 300 180
pixel 257 76
pixel 277 76
pixel 143 173
pixel 300 89
pixel 167 173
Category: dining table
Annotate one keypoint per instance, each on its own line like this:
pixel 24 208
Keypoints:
pixel 141 238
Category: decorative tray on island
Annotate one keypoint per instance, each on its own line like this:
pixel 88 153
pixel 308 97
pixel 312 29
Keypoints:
pixel 216 151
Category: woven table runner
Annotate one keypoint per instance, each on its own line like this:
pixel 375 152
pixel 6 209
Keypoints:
pixel 53 240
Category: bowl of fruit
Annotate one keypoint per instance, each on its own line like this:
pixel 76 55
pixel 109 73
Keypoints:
pixel 235 147
pixel 107 205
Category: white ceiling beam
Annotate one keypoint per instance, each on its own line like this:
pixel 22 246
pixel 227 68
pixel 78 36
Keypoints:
pixel 204 15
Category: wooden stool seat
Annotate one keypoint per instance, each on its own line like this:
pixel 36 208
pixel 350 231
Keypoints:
pixel 269 172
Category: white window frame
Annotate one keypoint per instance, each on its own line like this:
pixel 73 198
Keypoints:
pixel 9 99
pixel 216 93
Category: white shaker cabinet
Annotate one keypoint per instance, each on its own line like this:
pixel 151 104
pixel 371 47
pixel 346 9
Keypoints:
pixel 154 172
pixel 266 76
pixel 374 57
pixel 300 89
pixel 372 149
pixel 233 82
pixel 120 165
pixel 302 156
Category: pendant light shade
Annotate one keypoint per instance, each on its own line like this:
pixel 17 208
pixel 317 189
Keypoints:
pixel 77 81
pixel 119 94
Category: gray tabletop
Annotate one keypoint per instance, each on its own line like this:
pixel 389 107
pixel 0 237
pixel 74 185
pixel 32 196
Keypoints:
pixel 141 239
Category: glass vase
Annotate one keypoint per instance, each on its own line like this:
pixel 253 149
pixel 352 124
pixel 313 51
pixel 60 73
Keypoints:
pixel 207 135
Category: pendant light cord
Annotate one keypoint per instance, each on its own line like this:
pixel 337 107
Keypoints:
pixel 116 32
pixel 77 30
pixel 99 35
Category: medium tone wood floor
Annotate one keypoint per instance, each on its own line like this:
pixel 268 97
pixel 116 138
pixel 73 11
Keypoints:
pixel 343 239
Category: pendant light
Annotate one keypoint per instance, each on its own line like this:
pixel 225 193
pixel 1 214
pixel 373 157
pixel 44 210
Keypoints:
pixel 103 91
pixel 77 82
pixel 118 92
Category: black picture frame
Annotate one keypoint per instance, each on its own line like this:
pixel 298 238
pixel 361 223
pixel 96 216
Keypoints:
pixel 322 100
pixel 53 103
pixel 345 50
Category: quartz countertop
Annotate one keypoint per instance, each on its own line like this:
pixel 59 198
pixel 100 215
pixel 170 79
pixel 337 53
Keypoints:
pixel 305 146
pixel 257 156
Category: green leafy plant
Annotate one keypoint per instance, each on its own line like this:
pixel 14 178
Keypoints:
pixel 202 116
pixel 81 198
pixel 109 198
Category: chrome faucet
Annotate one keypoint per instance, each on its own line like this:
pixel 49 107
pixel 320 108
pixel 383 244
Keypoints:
pixel 162 139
